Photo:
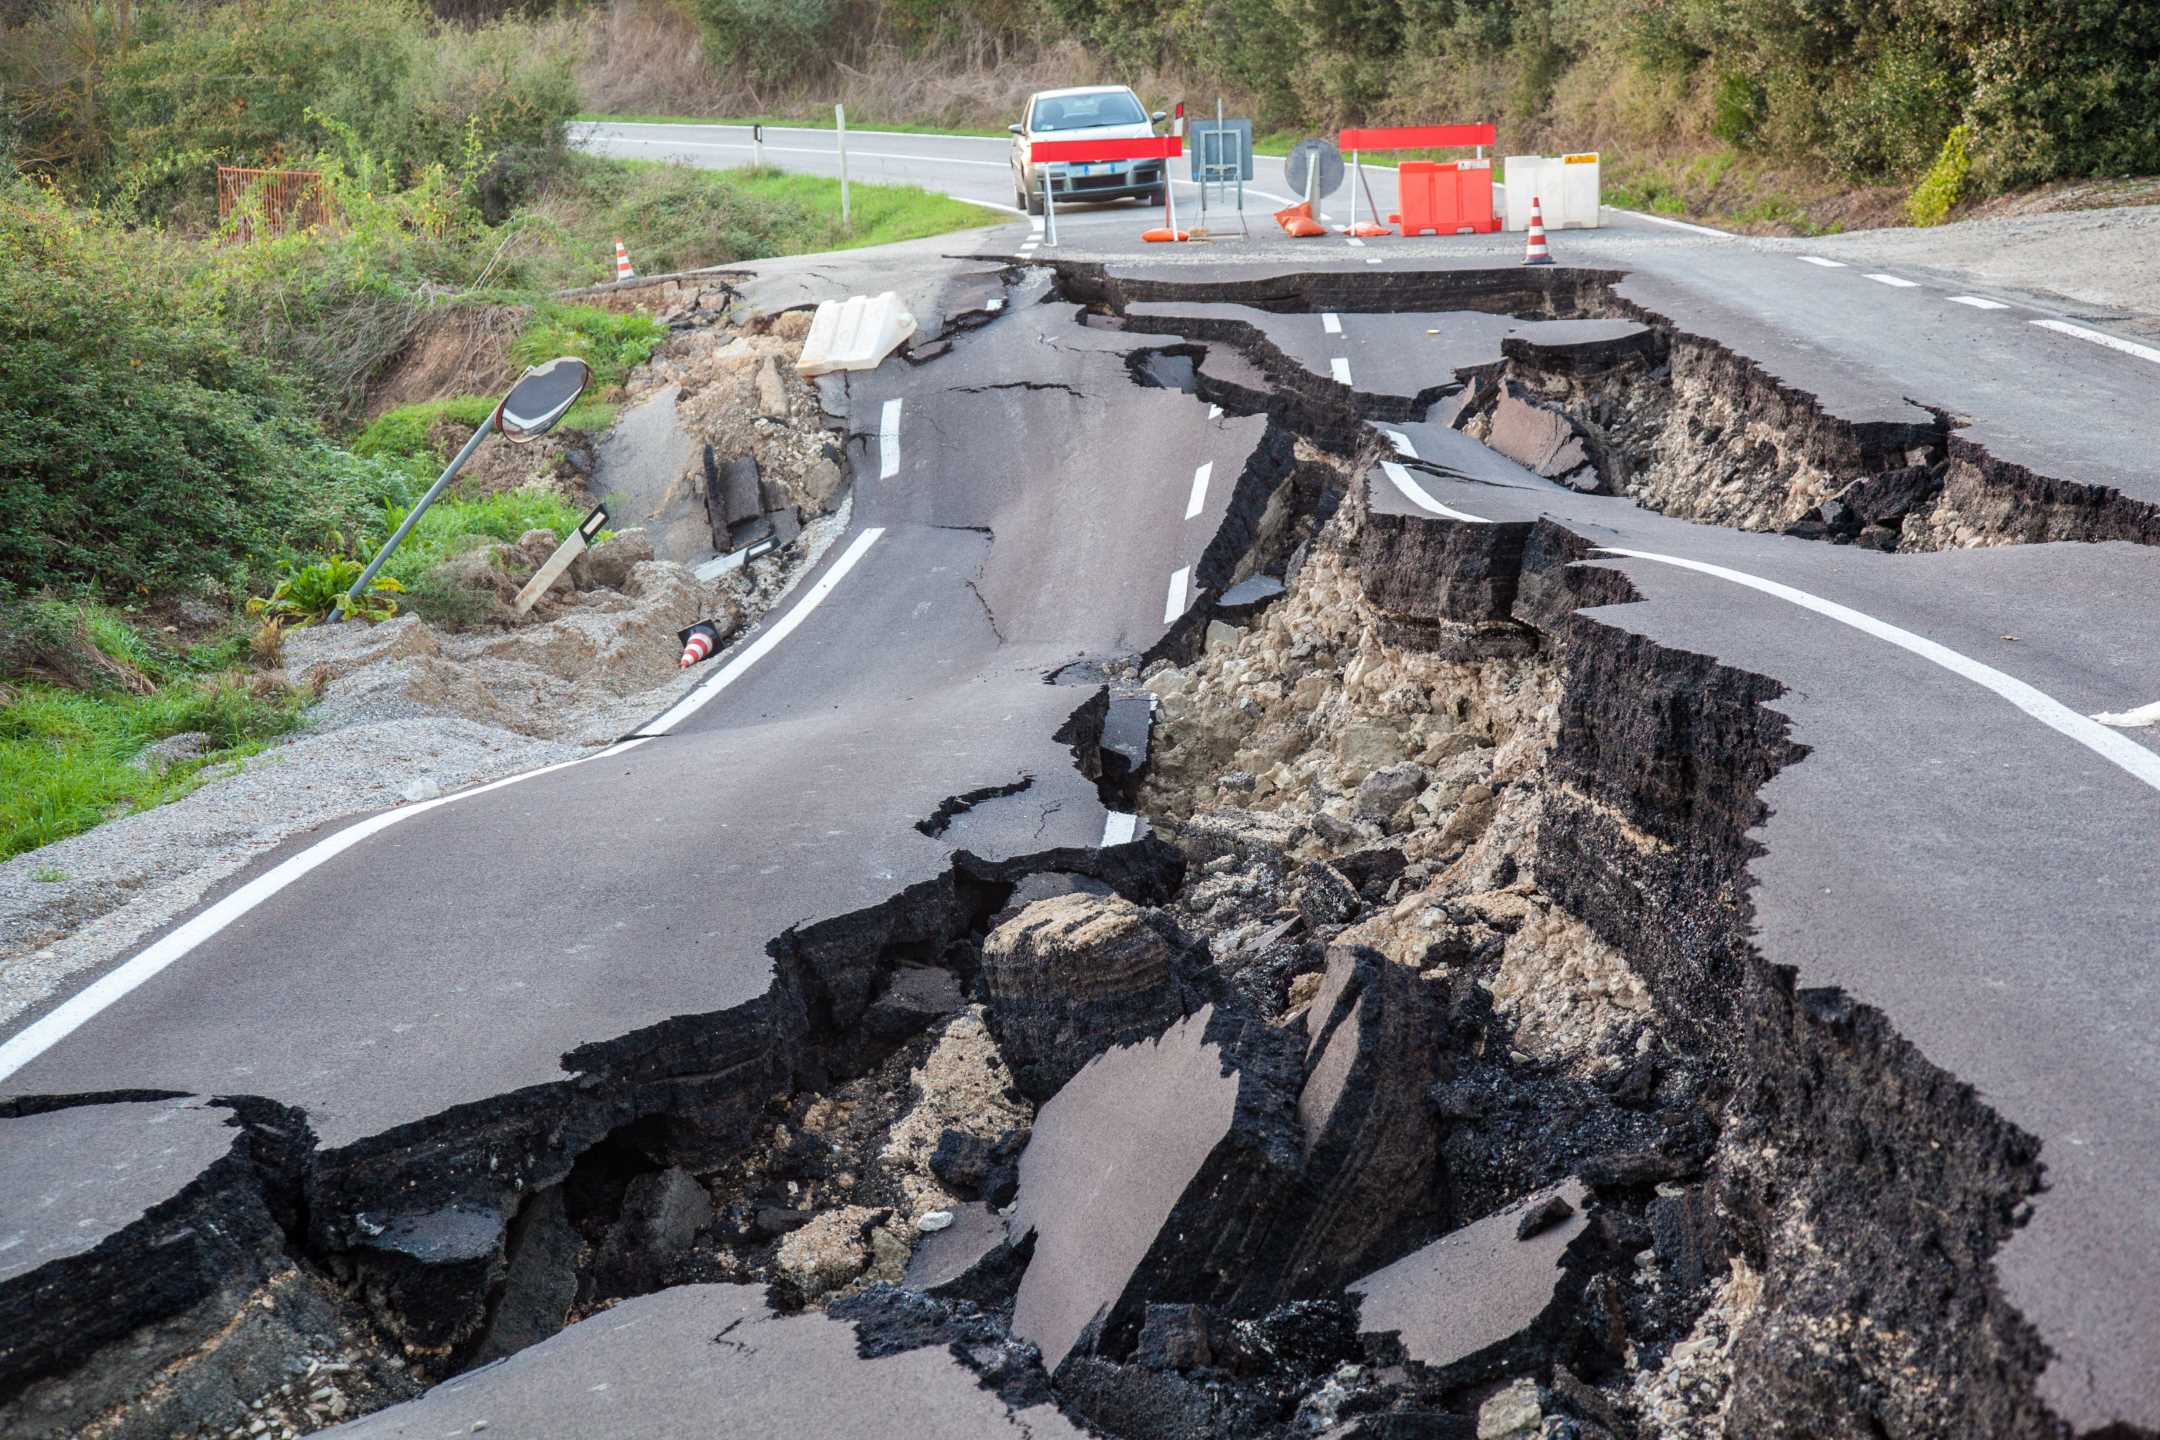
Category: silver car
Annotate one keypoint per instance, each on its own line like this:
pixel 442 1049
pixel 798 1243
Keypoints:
pixel 1091 112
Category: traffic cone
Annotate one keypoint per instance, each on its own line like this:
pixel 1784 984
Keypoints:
pixel 622 263
pixel 1536 253
pixel 698 642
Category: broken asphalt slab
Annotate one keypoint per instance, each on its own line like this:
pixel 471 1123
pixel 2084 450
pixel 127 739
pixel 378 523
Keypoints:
pixel 713 1361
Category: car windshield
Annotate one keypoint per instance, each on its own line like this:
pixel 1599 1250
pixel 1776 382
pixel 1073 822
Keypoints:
pixel 1080 112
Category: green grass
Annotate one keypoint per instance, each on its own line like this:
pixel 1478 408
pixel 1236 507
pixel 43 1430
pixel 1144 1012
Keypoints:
pixel 64 753
pixel 678 217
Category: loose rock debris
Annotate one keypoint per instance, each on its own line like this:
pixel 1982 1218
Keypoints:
pixel 1415 1078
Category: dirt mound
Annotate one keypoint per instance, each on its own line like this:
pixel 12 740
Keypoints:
pixel 462 350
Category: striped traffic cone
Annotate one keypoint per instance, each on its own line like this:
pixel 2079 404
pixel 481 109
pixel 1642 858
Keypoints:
pixel 698 642
pixel 1536 253
pixel 622 263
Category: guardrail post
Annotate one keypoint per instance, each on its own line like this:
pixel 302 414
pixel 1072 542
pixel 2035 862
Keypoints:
pixel 1049 210
pixel 840 121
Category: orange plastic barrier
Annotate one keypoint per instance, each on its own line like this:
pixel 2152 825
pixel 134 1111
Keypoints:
pixel 1453 198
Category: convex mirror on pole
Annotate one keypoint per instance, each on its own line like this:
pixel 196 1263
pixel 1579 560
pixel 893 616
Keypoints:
pixel 534 406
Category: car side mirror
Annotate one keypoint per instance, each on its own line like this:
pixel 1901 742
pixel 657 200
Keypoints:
pixel 1016 129
pixel 1159 116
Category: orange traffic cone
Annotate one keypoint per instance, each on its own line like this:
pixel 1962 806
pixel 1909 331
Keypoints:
pixel 1536 253
pixel 622 263
pixel 698 642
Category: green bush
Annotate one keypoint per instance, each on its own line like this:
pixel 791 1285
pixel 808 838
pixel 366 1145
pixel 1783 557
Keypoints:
pixel 1739 108
pixel 1943 186
pixel 141 448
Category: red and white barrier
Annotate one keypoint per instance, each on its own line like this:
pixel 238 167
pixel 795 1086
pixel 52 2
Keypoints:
pixel 1092 152
pixel 1453 198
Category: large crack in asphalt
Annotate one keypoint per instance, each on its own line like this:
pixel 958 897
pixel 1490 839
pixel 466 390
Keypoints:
pixel 1432 1077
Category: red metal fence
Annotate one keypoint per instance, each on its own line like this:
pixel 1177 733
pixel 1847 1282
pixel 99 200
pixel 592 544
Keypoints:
pixel 275 200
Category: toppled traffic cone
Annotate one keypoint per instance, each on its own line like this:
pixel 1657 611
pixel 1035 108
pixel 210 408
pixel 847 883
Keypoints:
pixel 698 642
pixel 1298 221
pixel 1536 253
pixel 622 263
pixel 1162 233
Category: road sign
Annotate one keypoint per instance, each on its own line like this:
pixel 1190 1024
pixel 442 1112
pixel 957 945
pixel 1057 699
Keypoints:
pixel 1304 156
pixel 1221 151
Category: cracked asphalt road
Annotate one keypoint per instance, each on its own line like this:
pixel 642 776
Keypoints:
pixel 1982 878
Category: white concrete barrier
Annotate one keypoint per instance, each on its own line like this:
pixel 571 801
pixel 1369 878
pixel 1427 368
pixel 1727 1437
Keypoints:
pixel 1568 186
pixel 855 333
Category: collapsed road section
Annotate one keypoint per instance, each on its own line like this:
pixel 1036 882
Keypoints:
pixel 1558 989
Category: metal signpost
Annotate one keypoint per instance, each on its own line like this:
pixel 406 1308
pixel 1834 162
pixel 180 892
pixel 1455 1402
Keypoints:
pixel 542 396
pixel 1222 157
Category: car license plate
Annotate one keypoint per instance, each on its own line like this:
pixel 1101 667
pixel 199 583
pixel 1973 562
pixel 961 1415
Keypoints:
pixel 1106 169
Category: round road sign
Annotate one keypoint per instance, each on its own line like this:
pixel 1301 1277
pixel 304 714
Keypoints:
pixel 1303 156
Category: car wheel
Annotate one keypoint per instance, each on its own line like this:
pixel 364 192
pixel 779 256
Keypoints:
pixel 1031 201
pixel 1155 197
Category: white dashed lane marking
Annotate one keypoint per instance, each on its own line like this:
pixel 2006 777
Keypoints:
pixel 1977 302
pixel 1340 367
pixel 1331 323
pixel 1826 264
pixel 1119 828
pixel 889 441
pixel 1199 490
pixel 1174 603
pixel 1898 281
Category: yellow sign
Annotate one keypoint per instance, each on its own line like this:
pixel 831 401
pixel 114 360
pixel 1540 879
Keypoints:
pixel 1590 159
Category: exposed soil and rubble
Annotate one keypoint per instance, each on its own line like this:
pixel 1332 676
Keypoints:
pixel 1444 1091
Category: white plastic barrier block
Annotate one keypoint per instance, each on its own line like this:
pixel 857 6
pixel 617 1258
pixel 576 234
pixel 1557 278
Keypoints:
pixel 1566 184
pixel 855 333
pixel 1579 193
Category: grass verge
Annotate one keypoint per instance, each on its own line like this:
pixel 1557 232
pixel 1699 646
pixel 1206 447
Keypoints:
pixel 65 752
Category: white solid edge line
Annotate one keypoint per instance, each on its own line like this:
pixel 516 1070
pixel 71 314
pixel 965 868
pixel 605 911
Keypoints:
pixel 1174 603
pixel 2132 719
pixel 1199 490
pixel 889 441
pixel 789 129
pixel 1331 322
pixel 1214 412
pixel 1118 828
pixel 1897 281
pixel 2125 754
pixel 2128 347
pixel 1340 368
pixel 1978 302
pixel 1826 264
pixel 1675 224
pixel 1401 442
pixel 85 1004
pixel 1416 495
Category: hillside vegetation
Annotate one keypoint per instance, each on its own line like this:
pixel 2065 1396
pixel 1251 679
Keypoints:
pixel 191 424
pixel 1972 97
